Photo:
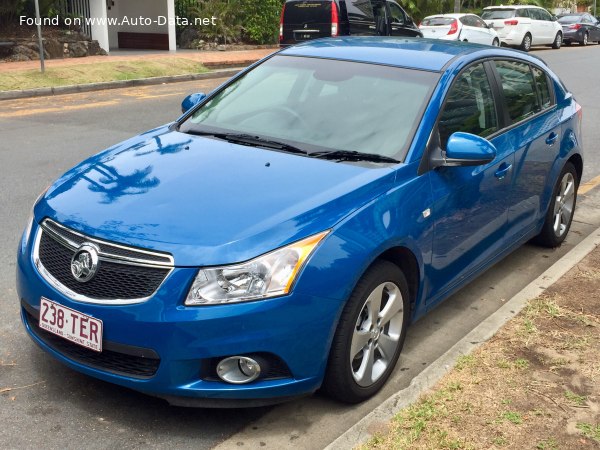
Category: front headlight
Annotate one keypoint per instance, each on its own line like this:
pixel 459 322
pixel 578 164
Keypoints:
pixel 267 276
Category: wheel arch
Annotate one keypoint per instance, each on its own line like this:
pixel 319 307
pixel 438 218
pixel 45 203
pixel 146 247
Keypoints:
pixel 406 260
pixel 577 161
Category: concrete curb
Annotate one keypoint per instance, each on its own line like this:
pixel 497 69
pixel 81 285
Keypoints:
pixel 363 430
pixel 73 89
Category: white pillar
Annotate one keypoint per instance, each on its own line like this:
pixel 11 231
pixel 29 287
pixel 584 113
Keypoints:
pixel 100 27
pixel 171 18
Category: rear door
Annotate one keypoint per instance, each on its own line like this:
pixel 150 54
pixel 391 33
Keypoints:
pixel 534 134
pixel 304 20
pixel 361 17
pixel 475 30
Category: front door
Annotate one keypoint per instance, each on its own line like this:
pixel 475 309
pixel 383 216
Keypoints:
pixel 470 203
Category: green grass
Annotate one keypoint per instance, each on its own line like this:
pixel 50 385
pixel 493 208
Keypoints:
pixel 513 417
pixel 579 400
pixel 98 72
pixel 590 431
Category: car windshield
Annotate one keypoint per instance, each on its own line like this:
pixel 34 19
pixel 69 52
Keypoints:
pixel 321 105
pixel 490 14
pixel 437 21
pixel 569 19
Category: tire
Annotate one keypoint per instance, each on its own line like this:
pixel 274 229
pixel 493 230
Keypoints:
pixel 526 44
pixel 557 41
pixel 585 40
pixel 561 209
pixel 364 352
pixel 496 42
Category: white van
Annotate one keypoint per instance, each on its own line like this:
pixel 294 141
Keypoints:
pixel 523 26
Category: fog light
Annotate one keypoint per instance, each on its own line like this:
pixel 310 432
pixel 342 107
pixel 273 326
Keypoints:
pixel 238 370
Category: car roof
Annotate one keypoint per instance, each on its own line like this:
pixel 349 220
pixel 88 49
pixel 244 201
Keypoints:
pixel 512 7
pixel 413 53
pixel 453 15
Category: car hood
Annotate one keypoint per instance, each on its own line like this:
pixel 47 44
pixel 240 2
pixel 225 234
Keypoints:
pixel 207 201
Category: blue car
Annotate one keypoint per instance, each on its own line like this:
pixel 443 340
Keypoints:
pixel 281 235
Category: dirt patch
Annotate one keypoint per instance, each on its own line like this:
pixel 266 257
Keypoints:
pixel 535 385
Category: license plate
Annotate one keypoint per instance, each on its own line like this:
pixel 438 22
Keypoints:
pixel 71 325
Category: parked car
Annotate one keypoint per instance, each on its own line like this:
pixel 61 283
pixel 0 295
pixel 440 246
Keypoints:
pixel 459 27
pixel 263 246
pixel 580 27
pixel 524 26
pixel 302 20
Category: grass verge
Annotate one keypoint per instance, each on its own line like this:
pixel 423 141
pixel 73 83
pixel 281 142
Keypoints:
pixel 99 72
pixel 535 385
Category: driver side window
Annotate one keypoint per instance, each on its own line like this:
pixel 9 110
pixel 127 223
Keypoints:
pixel 469 106
pixel 396 13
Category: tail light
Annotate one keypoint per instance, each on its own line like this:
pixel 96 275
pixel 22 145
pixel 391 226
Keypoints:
pixel 335 20
pixel 453 27
pixel 576 26
pixel 281 23
pixel 511 22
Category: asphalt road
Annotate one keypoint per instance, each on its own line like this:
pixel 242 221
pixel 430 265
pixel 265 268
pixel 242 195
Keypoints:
pixel 45 405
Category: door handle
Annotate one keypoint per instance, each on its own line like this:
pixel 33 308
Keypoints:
pixel 550 140
pixel 503 170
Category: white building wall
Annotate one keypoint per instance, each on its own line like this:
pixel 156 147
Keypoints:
pixel 100 30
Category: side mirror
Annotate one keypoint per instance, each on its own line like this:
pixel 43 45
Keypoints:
pixel 554 18
pixel 466 149
pixel 192 100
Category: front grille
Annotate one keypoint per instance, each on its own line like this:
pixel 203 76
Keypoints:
pixel 116 362
pixel 106 247
pixel 123 274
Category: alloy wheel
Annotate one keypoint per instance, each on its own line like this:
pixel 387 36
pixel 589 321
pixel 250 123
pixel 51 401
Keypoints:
pixel 563 204
pixel 377 334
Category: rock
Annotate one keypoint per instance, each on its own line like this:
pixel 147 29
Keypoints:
pixel 95 49
pixel 54 48
pixel 77 49
pixel 187 37
pixel 18 57
pixel 25 52
pixel 221 48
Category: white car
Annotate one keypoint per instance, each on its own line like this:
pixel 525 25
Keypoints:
pixel 459 27
pixel 523 26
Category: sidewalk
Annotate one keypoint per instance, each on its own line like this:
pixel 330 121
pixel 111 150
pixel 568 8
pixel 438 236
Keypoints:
pixel 210 59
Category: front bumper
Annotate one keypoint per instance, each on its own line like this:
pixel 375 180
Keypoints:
pixel 296 329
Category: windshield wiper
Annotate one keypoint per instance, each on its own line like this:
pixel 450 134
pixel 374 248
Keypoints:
pixel 252 140
pixel 352 155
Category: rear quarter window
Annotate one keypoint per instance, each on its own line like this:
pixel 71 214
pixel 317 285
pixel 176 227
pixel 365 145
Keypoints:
pixel 543 86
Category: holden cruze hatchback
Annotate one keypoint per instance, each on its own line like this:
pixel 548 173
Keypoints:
pixel 283 233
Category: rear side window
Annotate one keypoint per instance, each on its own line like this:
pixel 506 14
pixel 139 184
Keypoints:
pixel 519 89
pixel 360 10
pixel 543 87
pixel 523 13
pixel 469 106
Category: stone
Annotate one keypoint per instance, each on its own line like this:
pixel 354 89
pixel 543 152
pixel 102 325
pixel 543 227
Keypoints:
pixel 221 48
pixel 188 37
pixel 26 52
pixel 77 49
pixel 54 48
